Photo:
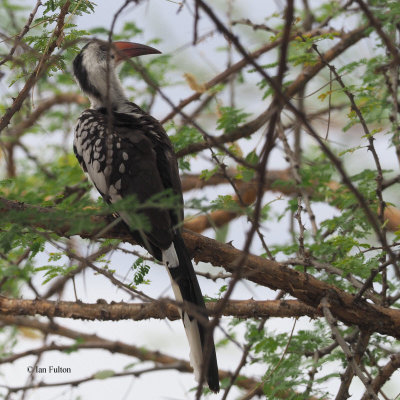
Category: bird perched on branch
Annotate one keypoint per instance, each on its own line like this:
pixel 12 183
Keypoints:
pixel 126 152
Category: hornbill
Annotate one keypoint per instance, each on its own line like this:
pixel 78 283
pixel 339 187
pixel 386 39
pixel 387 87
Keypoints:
pixel 126 152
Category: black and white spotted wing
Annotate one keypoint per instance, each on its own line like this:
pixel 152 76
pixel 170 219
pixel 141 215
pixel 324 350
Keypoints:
pixel 135 157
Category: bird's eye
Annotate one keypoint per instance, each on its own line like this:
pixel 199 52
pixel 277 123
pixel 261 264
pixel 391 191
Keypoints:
pixel 103 48
pixel 112 56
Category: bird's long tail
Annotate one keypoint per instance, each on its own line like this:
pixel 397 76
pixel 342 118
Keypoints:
pixel 186 289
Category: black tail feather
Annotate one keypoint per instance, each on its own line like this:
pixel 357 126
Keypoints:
pixel 185 278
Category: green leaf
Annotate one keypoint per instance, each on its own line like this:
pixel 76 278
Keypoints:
pixel 104 374
pixel 231 118
pixel 141 270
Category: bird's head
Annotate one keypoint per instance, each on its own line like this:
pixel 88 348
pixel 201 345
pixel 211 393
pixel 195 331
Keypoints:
pixel 99 58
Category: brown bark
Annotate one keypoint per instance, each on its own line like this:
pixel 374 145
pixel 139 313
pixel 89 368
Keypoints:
pixel 303 286
pixel 275 182
pixel 158 309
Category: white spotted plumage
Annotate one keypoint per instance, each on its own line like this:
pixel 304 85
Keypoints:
pixel 126 152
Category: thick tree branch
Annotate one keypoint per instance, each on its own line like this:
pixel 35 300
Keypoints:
pixel 194 181
pixel 278 181
pixel 264 272
pixel 158 309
